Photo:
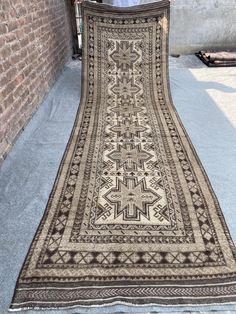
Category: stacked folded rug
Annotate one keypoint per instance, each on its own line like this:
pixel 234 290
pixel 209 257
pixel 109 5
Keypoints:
pixel 217 59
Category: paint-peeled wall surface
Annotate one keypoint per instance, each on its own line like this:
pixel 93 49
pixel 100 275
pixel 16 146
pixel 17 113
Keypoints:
pixel 202 24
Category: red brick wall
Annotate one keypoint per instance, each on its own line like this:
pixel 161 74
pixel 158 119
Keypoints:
pixel 35 44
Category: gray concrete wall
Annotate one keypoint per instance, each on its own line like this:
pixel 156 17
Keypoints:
pixel 200 24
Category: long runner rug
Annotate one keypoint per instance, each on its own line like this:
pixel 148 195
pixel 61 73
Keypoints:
pixel 132 217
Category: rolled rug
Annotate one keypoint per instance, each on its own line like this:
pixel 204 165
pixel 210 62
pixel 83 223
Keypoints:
pixel 221 56
pixel 217 59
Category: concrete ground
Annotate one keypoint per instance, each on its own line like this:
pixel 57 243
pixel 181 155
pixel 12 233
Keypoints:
pixel 205 99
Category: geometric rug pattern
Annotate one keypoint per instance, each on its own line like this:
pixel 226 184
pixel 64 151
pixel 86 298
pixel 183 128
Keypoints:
pixel 132 217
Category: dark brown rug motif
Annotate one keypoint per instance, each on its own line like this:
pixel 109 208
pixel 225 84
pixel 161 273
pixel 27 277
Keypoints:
pixel 132 217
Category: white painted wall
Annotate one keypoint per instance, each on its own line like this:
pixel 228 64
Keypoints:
pixel 200 24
